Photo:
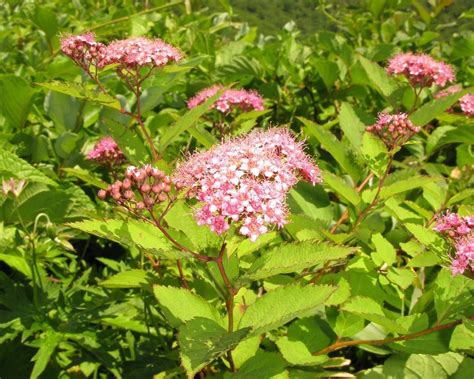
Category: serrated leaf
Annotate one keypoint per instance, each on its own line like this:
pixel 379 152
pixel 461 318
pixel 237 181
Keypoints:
pixel 405 185
pixel 181 305
pixel 453 296
pixel 80 92
pixel 86 176
pixel 463 337
pixel 380 80
pixel 12 166
pixel 447 134
pixel 263 365
pixel 131 233
pixel 202 340
pixel 339 186
pixel 333 146
pixel 282 305
pixel 17 262
pixel 127 279
pixel 294 257
pixel 371 310
pixel 187 121
pixel 375 153
pixel 42 357
pixel 460 196
pixel 384 249
pixel 16 99
pixel 434 108
pixel 352 126
pixel 428 238
pixel 296 353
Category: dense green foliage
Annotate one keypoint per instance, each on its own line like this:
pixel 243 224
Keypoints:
pixel 89 291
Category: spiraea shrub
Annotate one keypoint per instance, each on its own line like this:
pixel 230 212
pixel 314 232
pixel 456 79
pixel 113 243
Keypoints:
pixel 184 196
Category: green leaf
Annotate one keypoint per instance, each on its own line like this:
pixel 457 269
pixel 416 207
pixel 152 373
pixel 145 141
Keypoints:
pixel 131 233
pixel 187 121
pixel 126 137
pixel 460 196
pixel 180 217
pixel 203 340
pixel 294 257
pixel 82 92
pixel 64 110
pixel 329 71
pixel 203 136
pixel 16 99
pixel 263 365
pixel 181 305
pixel 47 21
pixel 339 186
pixel 43 355
pixel 385 249
pixel 282 305
pixel 297 353
pixel 445 135
pixel 453 296
pixel 348 324
pixel 371 310
pixel 425 259
pixel 333 146
pixel 375 153
pixel 86 176
pixel 463 337
pixel 379 79
pixel 436 107
pixel 12 166
pixel 352 126
pixel 428 238
pixel 127 279
pixel 17 262
pixel 405 185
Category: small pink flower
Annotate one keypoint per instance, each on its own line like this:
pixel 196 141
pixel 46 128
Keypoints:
pixel 83 49
pixel 464 256
pixel 421 69
pixel 243 99
pixel 467 104
pixel 246 180
pixel 106 152
pixel 138 52
pixel 393 130
pixel 454 226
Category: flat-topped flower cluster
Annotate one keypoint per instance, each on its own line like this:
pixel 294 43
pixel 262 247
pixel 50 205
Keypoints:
pixel 130 53
pixel 230 99
pixel 421 69
pixel 460 232
pixel 246 180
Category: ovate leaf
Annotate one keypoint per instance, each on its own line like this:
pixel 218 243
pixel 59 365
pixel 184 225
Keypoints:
pixel 282 305
pixel 339 186
pixel 12 166
pixel 379 79
pixel 351 125
pixel 202 340
pixel 181 305
pixel 127 279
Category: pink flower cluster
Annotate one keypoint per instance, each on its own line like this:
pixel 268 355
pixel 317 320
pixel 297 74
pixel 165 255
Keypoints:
pixel 421 69
pixel 393 130
pixel 151 184
pixel 466 102
pixel 128 53
pixel 245 180
pixel 230 99
pixel 106 152
pixel 460 231
pixel 139 51
pixel 83 49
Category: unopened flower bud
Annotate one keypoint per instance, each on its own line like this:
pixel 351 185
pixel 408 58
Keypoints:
pixel 148 201
pixel 156 188
pixel 102 194
pixel 162 197
pixel 126 184
pixel 145 188
pixel 167 188
pixel 140 205
pixel 167 180
pixel 129 194
pixel 116 196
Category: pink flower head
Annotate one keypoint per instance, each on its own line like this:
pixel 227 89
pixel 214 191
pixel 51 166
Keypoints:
pixel 464 256
pixel 245 180
pixel 83 49
pixel 138 52
pixel 393 130
pixel 106 152
pixel 454 226
pixel 243 99
pixel 421 69
pixel 467 104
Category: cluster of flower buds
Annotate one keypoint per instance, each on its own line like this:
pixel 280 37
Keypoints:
pixel 106 152
pixel 466 103
pixel 83 49
pixel 393 130
pixel 129 54
pixel 421 69
pixel 242 99
pixel 246 180
pixel 142 188
pixel 460 232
